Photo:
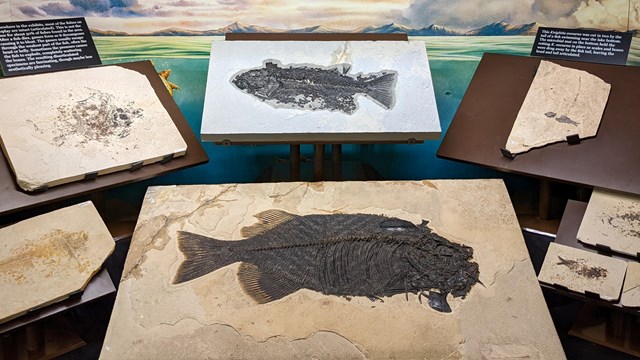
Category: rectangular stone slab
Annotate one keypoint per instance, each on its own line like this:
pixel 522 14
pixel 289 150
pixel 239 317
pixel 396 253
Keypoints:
pixel 233 115
pixel 561 102
pixel 631 289
pixel 612 219
pixel 212 316
pixel 65 126
pixel 48 257
pixel 582 271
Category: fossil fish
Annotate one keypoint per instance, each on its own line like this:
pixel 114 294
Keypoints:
pixel 314 87
pixel 344 255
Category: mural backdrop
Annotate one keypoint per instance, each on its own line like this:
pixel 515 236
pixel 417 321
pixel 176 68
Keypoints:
pixel 176 35
pixel 459 16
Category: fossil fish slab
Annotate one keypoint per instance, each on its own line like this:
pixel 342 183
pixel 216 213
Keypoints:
pixel 612 219
pixel 560 102
pixel 329 270
pixel 284 91
pixel 58 127
pixel 346 255
pixel 582 271
pixel 315 87
pixel 46 258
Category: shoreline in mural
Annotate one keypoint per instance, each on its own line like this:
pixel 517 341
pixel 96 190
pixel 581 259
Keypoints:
pixel 498 28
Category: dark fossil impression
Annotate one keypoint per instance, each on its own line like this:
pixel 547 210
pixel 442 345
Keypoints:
pixel 314 87
pixel 344 255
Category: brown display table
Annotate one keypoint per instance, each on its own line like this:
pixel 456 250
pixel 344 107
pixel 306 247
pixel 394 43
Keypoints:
pixel 488 110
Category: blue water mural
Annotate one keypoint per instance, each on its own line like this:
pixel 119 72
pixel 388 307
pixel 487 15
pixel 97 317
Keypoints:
pixel 453 61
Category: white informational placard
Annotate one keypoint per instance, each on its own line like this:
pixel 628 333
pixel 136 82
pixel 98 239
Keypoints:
pixel 310 91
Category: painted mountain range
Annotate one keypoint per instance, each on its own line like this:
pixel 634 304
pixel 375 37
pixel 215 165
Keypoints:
pixel 500 28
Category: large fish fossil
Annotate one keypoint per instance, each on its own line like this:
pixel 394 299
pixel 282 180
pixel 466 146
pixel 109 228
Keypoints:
pixel 344 255
pixel 314 87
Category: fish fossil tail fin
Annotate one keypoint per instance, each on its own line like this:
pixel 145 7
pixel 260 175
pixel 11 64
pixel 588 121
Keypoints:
pixel 381 89
pixel 202 255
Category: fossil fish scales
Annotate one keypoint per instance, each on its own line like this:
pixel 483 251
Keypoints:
pixel 344 255
pixel 315 87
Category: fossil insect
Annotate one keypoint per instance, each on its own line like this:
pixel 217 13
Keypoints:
pixel 339 254
pixel 314 87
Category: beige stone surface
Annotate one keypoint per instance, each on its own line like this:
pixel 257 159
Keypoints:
pixel 631 288
pixel 583 271
pixel 561 102
pixel 46 258
pixel 57 127
pixel 212 317
pixel 612 219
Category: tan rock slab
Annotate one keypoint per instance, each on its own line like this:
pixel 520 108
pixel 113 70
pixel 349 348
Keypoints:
pixel 561 102
pixel 213 316
pixel 58 127
pixel 631 289
pixel 46 258
pixel 612 219
pixel 582 271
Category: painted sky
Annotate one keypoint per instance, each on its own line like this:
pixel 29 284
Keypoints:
pixel 150 15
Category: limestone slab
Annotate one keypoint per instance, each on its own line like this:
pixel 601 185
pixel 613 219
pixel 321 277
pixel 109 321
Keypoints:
pixel 582 271
pixel 46 258
pixel 319 91
pixel 58 127
pixel 631 289
pixel 561 102
pixel 213 315
pixel 612 219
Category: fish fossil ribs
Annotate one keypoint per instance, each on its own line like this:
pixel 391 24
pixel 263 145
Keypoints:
pixel 345 255
pixel 315 87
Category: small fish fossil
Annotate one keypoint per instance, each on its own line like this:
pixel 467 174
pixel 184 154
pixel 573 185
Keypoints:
pixel 338 254
pixel 561 119
pixel 315 87
pixel 579 267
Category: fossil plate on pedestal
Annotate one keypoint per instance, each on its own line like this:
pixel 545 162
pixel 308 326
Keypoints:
pixel 561 102
pixel 65 126
pixel 631 290
pixel 582 271
pixel 613 220
pixel 305 91
pixel 46 258
pixel 345 270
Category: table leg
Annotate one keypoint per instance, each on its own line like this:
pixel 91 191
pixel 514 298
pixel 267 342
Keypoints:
pixel 544 201
pixel 294 162
pixel 318 162
pixel 336 161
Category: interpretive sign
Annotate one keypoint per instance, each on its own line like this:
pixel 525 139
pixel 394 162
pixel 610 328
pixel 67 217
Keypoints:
pixel 605 47
pixel 30 47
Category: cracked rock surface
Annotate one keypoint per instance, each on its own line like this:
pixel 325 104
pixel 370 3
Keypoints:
pixel 212 317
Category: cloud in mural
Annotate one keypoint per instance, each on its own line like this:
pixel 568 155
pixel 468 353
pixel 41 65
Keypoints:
pixel 608 14
pixel 151 15
pixel 467 14
pixel 102 8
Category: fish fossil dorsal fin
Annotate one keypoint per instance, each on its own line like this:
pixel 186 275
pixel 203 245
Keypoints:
pixel 268 220
pixel 343 68
pixel 264 286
